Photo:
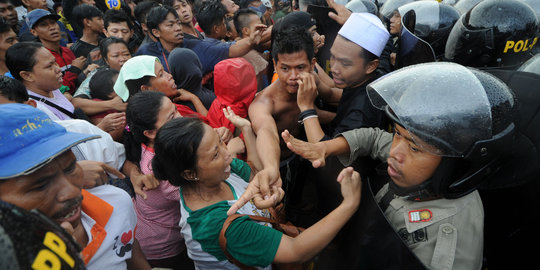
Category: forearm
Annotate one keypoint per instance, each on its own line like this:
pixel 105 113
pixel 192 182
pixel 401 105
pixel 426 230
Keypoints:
pixel 199 106
pixel 138 260
pixel 268 143
pixel 313 130
pixel 372 142
pixel 311 241
pixel 240 48
pixel 251 141
pixel 91 107
pixel 130 169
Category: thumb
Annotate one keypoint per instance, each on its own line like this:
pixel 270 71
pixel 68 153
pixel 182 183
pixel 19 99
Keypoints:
pixel 332 15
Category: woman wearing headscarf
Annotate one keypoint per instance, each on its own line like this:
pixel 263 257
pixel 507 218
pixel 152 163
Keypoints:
pixel 186 70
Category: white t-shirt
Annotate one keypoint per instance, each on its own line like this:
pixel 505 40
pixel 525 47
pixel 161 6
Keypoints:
pixel 109 220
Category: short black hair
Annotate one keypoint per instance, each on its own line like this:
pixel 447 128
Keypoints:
pixel 106 42
pixel 142 9
pixel 116 16
pixel 157 15
pixel 134 86
pixel 102 83
pixel 210 13
pixel 291 40
pixel 241 19
pixel 84 11
pixel 13 89
pixel 21 57
pixel 5 26
pixel 141 114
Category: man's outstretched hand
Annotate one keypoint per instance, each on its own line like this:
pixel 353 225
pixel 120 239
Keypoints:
pixel 314 152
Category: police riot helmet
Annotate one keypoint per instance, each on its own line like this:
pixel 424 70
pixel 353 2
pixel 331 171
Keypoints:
pixel 357 6
pixel 387 9
pixel 463 6
pixel 462 114
pixel 535 5
pixel 532 65
pixel 30 240
pixel 425 26
pixel 494 33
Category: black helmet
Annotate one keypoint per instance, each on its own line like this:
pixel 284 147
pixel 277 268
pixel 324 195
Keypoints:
pixel 30 240
pixel 494 33
pixel 535 4
pixel 425 26
pixel 463 6
pixel 462 114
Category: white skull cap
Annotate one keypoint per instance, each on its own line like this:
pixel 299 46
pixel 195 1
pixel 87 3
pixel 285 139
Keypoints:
pixel 367 31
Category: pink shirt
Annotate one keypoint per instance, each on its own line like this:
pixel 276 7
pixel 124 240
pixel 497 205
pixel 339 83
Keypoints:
pixel 158 216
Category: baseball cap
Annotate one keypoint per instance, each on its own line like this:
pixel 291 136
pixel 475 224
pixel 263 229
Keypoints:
pixel 29 140
pixel 367 31
pixel 30 240
pixel 37 14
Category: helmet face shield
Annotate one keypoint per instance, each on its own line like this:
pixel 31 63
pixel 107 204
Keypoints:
pixel 425 29
pixel 532 65
pixel 388 8
pixel 443 106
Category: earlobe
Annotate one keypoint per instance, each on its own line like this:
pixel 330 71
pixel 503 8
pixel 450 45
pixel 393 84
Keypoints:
pixel 27 76
pixel 190 175
pixel 150 134
pixel 155 32
pixel 372 66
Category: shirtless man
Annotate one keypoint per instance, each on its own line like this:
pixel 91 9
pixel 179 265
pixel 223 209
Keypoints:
pixel 275 108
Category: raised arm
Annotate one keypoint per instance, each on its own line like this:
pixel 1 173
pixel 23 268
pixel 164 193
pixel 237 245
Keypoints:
pixel 243 46
pixel 262 188
pixel 250 139
pixel 315 238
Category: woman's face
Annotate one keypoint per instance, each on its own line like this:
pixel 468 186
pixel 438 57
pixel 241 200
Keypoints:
pixel 117 55
pixel 46 73
pixel 167 112
pixel 213 159
pixel 163 81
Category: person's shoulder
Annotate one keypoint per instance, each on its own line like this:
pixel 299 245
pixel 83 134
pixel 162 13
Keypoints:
pixel 147 48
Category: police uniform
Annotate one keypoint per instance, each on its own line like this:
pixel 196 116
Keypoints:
pixel 442 233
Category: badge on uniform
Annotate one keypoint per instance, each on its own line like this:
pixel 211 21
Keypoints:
pixel 420 215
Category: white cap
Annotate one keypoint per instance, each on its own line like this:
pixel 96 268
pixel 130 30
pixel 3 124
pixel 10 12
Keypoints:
pixel 367 31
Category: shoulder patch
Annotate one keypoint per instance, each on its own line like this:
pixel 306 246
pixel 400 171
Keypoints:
pixel 422 215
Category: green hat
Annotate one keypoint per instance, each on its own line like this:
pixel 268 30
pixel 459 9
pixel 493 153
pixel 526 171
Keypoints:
pixel 134 68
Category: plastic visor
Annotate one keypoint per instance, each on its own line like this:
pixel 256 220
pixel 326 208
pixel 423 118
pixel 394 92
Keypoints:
pixel 388 8
pixel 412 49
pixel 442 105
pixel 532 65
pixel 467 43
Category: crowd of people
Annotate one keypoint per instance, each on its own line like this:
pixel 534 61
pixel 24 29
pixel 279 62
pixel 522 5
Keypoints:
pixel 389 131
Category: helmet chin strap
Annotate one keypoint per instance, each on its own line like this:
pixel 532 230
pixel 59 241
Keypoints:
pixel 431 188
